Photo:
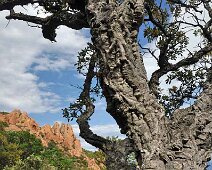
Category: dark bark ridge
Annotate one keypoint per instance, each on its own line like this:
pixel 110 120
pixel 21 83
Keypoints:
pixel 190 134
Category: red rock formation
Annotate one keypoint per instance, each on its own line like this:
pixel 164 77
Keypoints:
pixel 61 134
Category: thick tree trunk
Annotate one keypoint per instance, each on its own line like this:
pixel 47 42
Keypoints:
pixel 159 144
pixel 124 81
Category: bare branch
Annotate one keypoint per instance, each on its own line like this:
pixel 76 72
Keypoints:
pixel 49 24
pixel 150 51
pixel 28 18
pixel 82 120
pixel 10 4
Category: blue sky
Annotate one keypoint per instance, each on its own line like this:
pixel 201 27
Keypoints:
pixel 36 75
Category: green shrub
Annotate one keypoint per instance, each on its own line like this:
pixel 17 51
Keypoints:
pixel 9 152
pixel 23 151
pixel 27 142
pixel 33 162
pixel 62 161
pixel 3 125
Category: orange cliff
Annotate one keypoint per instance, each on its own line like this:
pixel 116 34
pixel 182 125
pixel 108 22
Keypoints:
pixel 61 134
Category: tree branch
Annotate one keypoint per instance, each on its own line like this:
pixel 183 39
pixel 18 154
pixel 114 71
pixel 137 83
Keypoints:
pixel 156 23
pixel 10 4
pixel 82 120
pixel 154 81
pixel 179 2
pixel 49 24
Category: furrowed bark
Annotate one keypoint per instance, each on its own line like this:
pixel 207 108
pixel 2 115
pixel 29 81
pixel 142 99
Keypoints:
pixel 190 135
pixel 123 80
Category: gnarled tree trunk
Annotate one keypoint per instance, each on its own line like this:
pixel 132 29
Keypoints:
pixel 159 143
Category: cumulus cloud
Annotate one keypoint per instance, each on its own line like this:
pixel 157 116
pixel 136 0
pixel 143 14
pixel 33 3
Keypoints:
pixel 24 51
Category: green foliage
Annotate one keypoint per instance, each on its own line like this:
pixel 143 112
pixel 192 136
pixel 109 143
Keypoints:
pixel 23 151
pixel 168 24
pixel 3 125
pixel 84 57
pixel 9 152
pixel 4 113
pixel 31 163
pixel 131 159
pixel 113 138
pixel 27 142
pixel 191 81
pixel 58 159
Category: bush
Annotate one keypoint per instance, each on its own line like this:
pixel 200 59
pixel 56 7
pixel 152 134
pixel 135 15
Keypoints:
pixel 33 162
pixel 99 156
pixel 62 161
pixel 27 142
pixel 9 152
pixel 23 151
pixel 3 125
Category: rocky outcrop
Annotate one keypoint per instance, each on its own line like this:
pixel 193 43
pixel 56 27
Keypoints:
pixel 61 134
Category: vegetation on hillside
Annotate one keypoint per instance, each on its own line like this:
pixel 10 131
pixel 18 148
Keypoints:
pixel 4 113
pixel 22 150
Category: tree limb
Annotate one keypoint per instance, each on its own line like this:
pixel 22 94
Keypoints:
pixel 82 120
pixel 179 2
pixel 49 24
pixel 154 81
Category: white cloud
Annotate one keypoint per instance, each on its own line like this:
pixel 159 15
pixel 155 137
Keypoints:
pixel 100 105
pixel 23 47
pixel 45 64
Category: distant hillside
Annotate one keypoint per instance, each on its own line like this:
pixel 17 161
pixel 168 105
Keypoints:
pixel 55 147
